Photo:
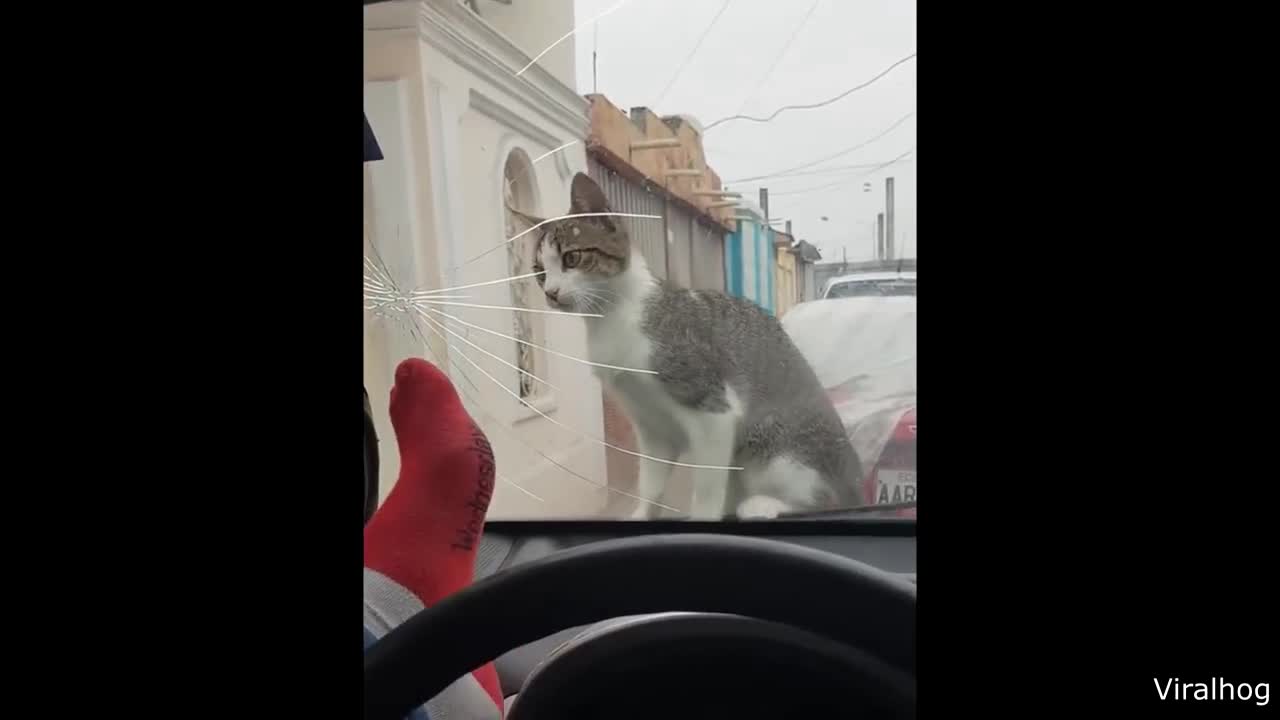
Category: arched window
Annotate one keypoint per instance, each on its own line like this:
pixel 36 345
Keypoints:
pixel 518 191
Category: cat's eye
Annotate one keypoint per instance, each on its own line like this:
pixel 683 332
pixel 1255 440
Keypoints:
pixel 571 259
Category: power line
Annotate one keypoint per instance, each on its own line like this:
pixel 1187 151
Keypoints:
pixel 693 52
pixel 785 48
pixel 891 162
pixel 811 106
pixel 839 183
pixel 836 170
pixel 845 181
pixel 833 170
pixel 833 156
pixel 812 189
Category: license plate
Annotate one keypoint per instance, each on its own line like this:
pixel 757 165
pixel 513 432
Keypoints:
pixel 896 486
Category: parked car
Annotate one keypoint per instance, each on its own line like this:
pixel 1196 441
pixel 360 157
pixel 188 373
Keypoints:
pixel 870 284
pixel 863 350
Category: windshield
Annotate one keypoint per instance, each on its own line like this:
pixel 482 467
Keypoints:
pixel 610 223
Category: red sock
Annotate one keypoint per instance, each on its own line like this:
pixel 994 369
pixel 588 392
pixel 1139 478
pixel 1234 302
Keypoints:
pixel 425 534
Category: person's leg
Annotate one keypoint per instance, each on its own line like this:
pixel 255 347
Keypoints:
pixel 420 545
pixel 418 713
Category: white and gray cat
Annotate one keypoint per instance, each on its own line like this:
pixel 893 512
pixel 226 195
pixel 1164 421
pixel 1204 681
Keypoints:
pixel 730 389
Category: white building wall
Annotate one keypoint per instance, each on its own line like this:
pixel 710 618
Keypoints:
pixel 443 92
pixel 533 27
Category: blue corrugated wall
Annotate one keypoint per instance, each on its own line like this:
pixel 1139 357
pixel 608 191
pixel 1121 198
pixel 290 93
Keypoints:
pixel 749 263
pixel 733 262
pixel 755 250
pixel 772 263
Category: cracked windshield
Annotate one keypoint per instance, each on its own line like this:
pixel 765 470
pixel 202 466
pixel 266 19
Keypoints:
pixel 664 251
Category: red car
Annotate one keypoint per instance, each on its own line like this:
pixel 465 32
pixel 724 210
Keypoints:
pixel 863 351
pixel 893 480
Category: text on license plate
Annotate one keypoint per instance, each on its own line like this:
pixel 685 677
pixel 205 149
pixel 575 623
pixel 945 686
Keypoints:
pixel 896 486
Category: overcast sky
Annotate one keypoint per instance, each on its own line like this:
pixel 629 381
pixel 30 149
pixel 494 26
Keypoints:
pixel 842 44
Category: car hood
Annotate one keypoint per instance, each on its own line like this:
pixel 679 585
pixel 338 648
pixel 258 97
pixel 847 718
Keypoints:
pixel 864 353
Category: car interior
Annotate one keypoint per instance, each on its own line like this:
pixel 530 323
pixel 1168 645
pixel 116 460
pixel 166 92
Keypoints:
pixel 785 618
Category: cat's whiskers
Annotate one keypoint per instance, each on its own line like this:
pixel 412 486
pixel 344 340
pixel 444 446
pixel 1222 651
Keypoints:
pixel 383 286
pixel 569 34
pixel 384 303
pixel 447 354
pixel 380 294
pixel 370 265
pixel 512 338
pixel 401 317
pixel 433 301
pixel 597 440
pixel 527 171
pixel 521 234
pixel 517 368
pixel 387 295
pixel 592 302
pixel 589 303
pixel 549 153
pixel 503 428
pixel 595 298
pixel 380 274
pixel 557 423
pixel 433 293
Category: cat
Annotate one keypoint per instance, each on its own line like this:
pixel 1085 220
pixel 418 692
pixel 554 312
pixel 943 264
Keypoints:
pixel 730 389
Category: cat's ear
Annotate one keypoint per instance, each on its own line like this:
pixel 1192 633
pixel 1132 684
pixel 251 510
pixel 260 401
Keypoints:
pixel 585 196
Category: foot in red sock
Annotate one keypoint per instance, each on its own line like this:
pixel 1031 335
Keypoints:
pixel 425 535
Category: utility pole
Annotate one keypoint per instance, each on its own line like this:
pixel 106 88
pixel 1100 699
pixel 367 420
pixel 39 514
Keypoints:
pixel 880 236
pixel 595 45
pixel 888 219
pixel 768 229
pixel 768 236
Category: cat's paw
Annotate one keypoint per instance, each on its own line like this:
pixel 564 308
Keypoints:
pixel 761 507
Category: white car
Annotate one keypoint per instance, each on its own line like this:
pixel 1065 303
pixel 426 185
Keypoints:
pixel 870 284
pixel 863 350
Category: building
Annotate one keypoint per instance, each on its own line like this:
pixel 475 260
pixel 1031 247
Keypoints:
pixel 464 124
pixel 686 248
pixel 749 257
pixel 807 256
pixel 785 284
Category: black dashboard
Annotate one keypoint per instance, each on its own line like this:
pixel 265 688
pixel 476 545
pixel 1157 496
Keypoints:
pixel 888 545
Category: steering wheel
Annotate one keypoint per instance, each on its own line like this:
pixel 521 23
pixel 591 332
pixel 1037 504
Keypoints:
pixel 857 617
